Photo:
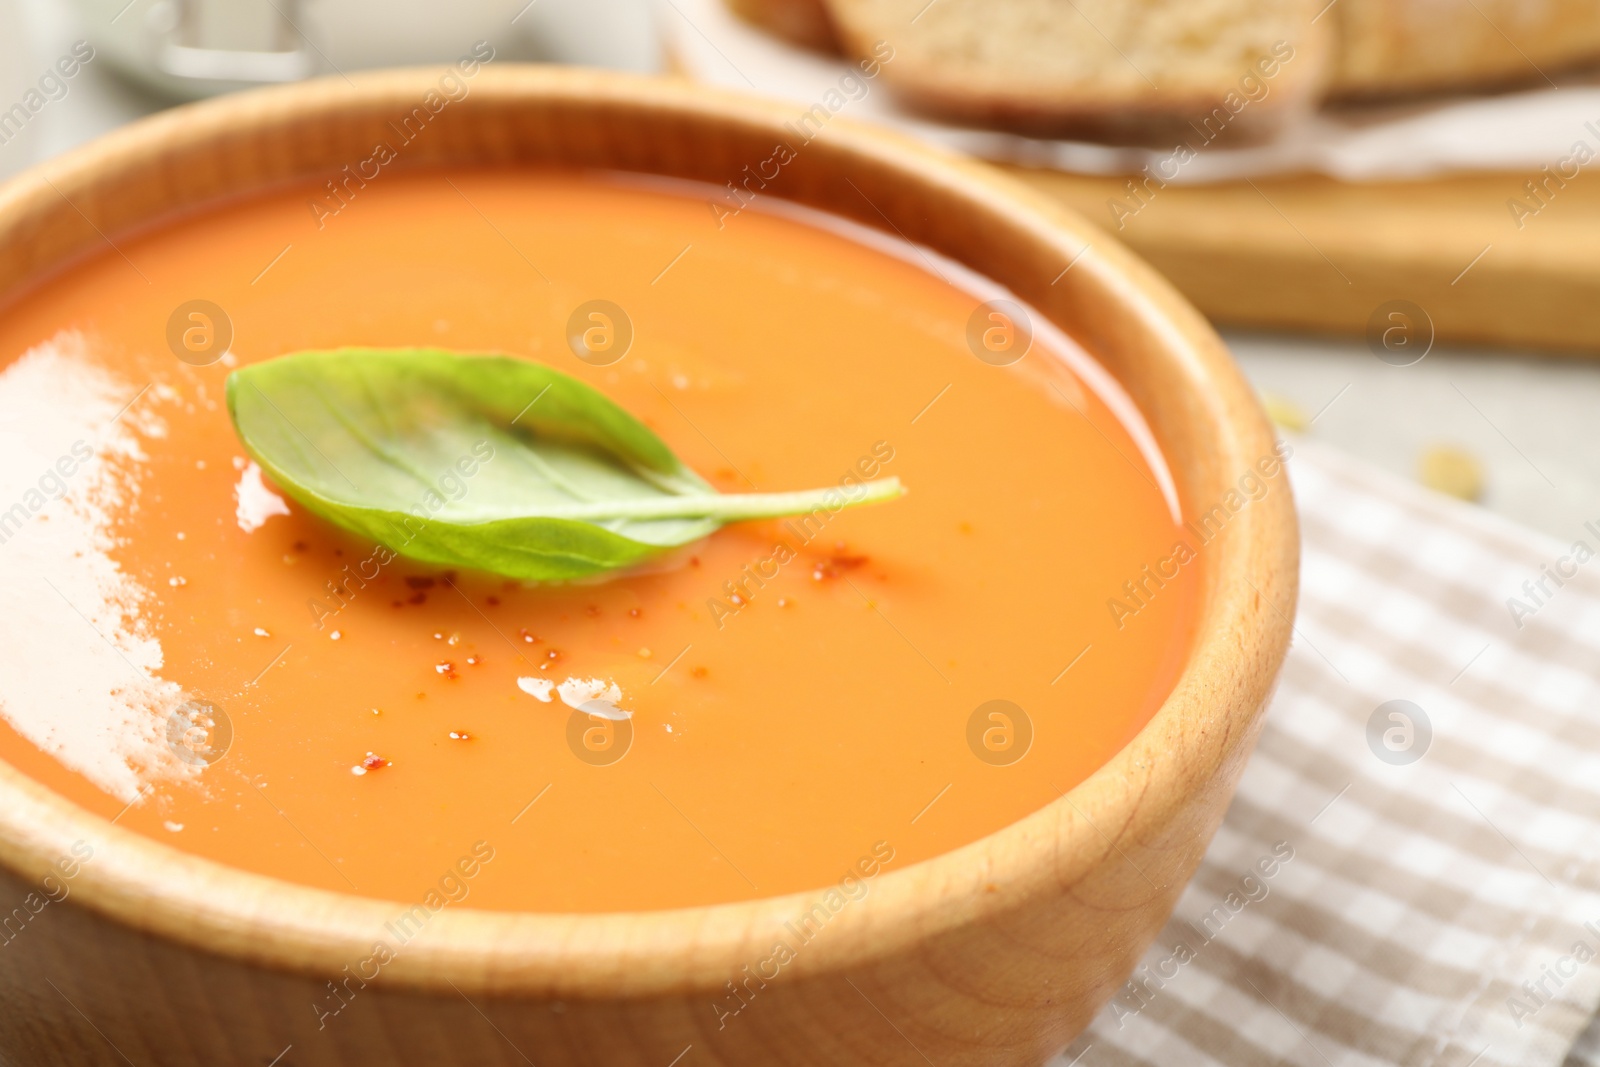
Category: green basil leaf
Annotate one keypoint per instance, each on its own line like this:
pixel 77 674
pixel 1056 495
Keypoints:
pixel 485 462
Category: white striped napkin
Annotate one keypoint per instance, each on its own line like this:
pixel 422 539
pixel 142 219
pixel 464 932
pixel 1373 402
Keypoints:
pixel 1438 904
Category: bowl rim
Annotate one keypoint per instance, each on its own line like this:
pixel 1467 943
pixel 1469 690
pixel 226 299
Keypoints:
pixel 1203 727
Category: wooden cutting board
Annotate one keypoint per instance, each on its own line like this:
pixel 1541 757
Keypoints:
pixel 1313 253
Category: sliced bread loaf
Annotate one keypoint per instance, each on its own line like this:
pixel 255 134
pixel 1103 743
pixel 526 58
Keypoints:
pixel 1402 46
pixel 1112 69
pixel 1142 69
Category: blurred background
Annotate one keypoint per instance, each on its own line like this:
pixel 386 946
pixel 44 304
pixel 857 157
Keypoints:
pixel 1364 259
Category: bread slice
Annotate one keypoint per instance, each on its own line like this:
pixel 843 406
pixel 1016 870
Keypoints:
pixel 1126 69
pixel 806 23
pixel 1112 69
pixel 1405 46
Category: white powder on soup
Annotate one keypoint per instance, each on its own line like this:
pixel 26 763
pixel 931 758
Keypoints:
pixel 80 664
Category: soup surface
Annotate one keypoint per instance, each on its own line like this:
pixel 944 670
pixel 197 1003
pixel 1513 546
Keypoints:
pixel 186 651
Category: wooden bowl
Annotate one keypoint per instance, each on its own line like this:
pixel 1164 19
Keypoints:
pixel 997 953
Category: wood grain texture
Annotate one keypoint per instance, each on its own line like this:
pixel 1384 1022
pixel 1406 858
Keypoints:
pixel 996 954
pixel 1314 253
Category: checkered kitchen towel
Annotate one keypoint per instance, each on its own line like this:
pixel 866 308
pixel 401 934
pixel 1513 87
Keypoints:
pixel 1408 874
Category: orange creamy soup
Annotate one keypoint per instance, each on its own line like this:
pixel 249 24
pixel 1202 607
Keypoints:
pixel 190 653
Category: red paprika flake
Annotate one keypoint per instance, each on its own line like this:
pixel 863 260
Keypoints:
pixel 370 762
